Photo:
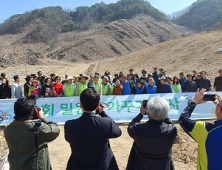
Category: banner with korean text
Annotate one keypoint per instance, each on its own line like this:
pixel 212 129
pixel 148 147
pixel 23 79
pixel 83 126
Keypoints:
pixel 122 109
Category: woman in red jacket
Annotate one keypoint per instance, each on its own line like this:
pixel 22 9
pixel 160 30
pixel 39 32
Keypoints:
pixel 57 87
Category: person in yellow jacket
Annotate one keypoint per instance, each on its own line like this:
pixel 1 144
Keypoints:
pixel 34 90
pixel 82 84
pixel 98 85
pixel 69 87
pixel 106 87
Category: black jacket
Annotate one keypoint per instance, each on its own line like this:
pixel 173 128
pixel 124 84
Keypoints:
pixel 218 83
pixel 152 147
pixel 190 86
pixel 26 89
pixel 204 83
pixel 46 89
pixel 89 140
pixel 6 92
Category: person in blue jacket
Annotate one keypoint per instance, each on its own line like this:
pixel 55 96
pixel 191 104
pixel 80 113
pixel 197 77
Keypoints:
pixel 207 135
pixel 127 86
pixel 164 87
pixel 151 88
pixel 139 87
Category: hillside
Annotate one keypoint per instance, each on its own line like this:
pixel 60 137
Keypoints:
pixel 217 26
pixel 201 15
pixel 55 20
pixel 119 38
pixel 103 41
pixel 197 52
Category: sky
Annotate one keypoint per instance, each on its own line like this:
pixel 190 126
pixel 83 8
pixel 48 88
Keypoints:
pixel 12 7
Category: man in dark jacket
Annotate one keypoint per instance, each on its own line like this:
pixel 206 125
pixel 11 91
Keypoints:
pixel 182 80
pixel 153 140
pixel 218 82
pixel 156 76
pixel 89 136
pixel 204 83
pixel 190 85
pixel 163 86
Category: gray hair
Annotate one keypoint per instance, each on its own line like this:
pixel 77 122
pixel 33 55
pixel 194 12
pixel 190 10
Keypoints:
pixel 158 108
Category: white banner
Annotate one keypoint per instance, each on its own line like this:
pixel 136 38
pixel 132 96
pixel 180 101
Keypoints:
pixel 122 109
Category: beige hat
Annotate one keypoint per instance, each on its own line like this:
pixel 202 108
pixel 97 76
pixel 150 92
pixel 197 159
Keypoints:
pixel 69 78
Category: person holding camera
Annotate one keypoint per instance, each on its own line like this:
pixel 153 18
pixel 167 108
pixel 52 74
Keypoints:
pixel 28 138
pixel 89 136
pixel 207 135
pixel 153 140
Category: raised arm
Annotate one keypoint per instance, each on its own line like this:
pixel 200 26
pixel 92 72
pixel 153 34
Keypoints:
pixel 136 121
pixel 196 129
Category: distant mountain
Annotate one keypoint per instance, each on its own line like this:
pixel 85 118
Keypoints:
pixel 178 14
pixel 55 20
pixel 201 15
pixel 109 40
pixel 119 38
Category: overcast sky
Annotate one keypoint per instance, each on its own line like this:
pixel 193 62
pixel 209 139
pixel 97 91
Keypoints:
pixel 12 7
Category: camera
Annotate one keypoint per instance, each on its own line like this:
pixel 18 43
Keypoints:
pixel 102 105
pixel 209 97
pixel 144 104
pixel 36 111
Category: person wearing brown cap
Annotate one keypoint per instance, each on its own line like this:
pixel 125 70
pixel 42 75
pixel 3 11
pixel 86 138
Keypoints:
pixel 82 84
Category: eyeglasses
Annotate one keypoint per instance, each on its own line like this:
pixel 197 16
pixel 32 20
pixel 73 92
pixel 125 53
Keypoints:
pixel 58 79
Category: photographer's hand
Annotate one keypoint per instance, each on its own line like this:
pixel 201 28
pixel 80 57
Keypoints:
pixel 100 108
pixel 143 110
pixel 198 98
pixel 40 114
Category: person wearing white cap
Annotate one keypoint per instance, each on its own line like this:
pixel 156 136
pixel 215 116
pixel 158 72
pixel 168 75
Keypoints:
pixel 69 87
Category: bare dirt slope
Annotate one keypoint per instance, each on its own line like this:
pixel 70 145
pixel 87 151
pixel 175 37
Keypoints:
pixel 198 52
pixel 121 37
pixel 109 40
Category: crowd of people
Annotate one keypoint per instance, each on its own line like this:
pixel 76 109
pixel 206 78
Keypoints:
pixel 121 84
